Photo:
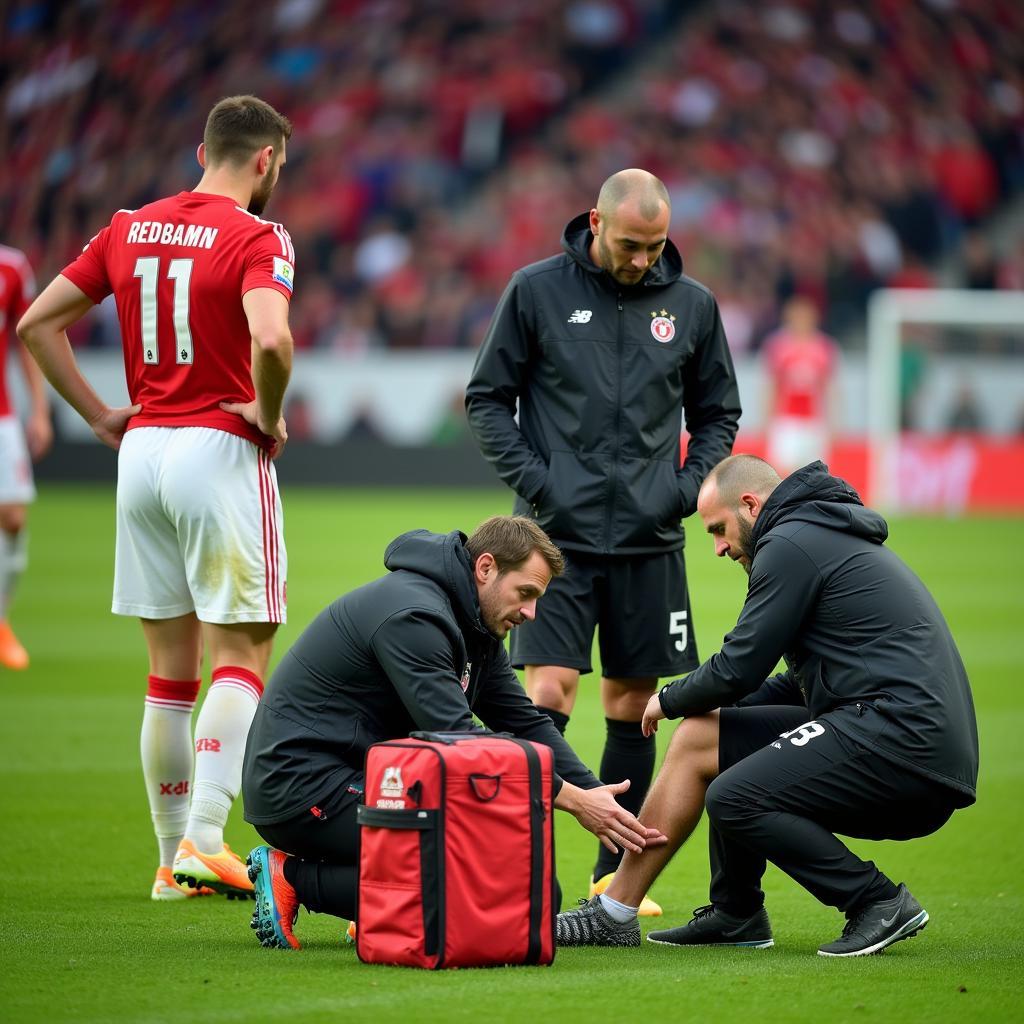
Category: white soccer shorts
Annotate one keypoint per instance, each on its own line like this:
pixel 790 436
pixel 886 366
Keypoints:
pixel 16 485
pixel 199 528
pixel 793 442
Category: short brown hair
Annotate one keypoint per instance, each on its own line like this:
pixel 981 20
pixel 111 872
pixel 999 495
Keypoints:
pixel 511 540
pixel 238 126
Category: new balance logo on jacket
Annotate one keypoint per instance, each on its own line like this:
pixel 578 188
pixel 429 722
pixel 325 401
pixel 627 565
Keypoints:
pixel 580 316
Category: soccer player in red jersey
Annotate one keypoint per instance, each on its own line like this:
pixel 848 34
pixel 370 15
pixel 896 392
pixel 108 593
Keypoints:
pixel 800 363
pixel 17 447
pixel 202 286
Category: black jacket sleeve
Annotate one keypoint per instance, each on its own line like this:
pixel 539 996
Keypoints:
pixel 780 690
pixel 414 649
pixel 784 585
pixel 494 386
pixel 502 705
pixel 711 405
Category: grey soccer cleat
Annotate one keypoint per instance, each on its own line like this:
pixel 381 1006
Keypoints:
pixel 713 927
pixel 879 925
pixel 591 925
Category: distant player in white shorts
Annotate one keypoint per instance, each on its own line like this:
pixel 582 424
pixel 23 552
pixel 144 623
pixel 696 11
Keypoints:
pixel 18 446
pixel 202 286
pixel 801 405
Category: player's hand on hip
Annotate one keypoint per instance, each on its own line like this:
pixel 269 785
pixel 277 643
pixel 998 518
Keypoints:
pixel 249 412
pixel 109 426
pixel 653 714
pixel 279 432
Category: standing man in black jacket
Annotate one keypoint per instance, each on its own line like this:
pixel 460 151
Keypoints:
pixel 890 749
pixel 420 648
pixel 603 348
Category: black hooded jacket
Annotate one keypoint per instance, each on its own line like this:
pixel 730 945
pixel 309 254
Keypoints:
pixel 601 373
pixel 407 651
pixel 862 637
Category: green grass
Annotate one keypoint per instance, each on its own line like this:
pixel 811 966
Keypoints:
pixel 80 940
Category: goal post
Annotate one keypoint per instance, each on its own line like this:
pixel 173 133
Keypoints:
pixel 889 311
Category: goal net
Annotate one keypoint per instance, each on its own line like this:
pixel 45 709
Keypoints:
pixel 945 401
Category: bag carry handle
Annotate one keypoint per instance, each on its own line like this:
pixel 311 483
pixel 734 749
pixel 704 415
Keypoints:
pixel 448 738
pixel 485 787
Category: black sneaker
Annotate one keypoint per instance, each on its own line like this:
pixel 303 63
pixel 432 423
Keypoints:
pixel 713 927
pixel 592 925
pixel 879 925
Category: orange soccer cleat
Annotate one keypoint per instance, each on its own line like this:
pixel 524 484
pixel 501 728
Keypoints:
pixel 12 654
pixel 223 872
pixel 166 889
pixel 277 906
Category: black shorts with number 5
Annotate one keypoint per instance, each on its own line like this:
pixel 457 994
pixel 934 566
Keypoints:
pixel 639 605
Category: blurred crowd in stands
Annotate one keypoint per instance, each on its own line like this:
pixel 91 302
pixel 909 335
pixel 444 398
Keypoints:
pixel 815 147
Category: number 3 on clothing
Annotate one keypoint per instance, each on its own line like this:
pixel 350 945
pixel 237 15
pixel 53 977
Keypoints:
pixel 677 624
pixel 147 268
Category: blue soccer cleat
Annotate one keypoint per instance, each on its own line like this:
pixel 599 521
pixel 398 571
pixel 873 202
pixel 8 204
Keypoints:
pixel 277 905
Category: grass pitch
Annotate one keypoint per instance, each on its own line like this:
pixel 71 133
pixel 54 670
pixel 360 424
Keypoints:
pixel 81 941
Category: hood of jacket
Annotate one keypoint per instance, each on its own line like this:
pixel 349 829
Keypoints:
pixel 576 241
pixel 443 559
pixel 812 495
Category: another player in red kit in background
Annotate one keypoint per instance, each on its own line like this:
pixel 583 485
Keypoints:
pixel 202 287
pixel 801 409
pixel 17 446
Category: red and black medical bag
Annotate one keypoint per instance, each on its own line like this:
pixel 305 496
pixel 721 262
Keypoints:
pixel 457 852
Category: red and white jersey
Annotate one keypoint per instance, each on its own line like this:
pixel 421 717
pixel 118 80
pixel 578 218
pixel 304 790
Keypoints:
pixel 17 290
pixel 801 368
pixel 178 269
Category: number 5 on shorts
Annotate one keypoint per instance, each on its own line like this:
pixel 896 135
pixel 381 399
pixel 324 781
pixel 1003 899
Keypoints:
pixel 677 624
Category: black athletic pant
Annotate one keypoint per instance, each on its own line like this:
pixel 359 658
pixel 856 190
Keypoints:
pixel 786 785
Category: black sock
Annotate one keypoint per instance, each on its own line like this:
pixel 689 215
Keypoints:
pixel 561 720
pixel 628 754
pixel 323 888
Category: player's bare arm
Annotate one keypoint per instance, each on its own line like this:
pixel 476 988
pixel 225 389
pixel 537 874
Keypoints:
pixel 43 329
pixel 267 313
pixel 598 812
pixel 38 426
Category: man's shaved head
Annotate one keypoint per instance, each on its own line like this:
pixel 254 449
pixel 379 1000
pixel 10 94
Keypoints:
pixel 730 499
pixel 637 185
pixel 629 225
pixel 742 474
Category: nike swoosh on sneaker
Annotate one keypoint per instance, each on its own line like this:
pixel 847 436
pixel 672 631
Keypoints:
pixel 888 924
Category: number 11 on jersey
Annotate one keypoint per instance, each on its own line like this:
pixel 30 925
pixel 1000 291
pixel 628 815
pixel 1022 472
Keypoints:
pixel 147 269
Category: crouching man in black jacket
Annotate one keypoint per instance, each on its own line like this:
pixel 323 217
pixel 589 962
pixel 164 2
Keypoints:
pixel 870 733
pixel 418 649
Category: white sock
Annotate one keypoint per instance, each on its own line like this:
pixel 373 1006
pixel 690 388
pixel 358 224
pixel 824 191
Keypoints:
pixel 617 911
pixel 166 746
pixel 13 560
pixel 221 729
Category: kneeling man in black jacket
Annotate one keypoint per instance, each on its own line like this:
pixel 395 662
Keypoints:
pixel 418 649
pixel 870 732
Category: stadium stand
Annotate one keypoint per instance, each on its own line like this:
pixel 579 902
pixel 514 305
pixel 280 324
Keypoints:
pixel 809 146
